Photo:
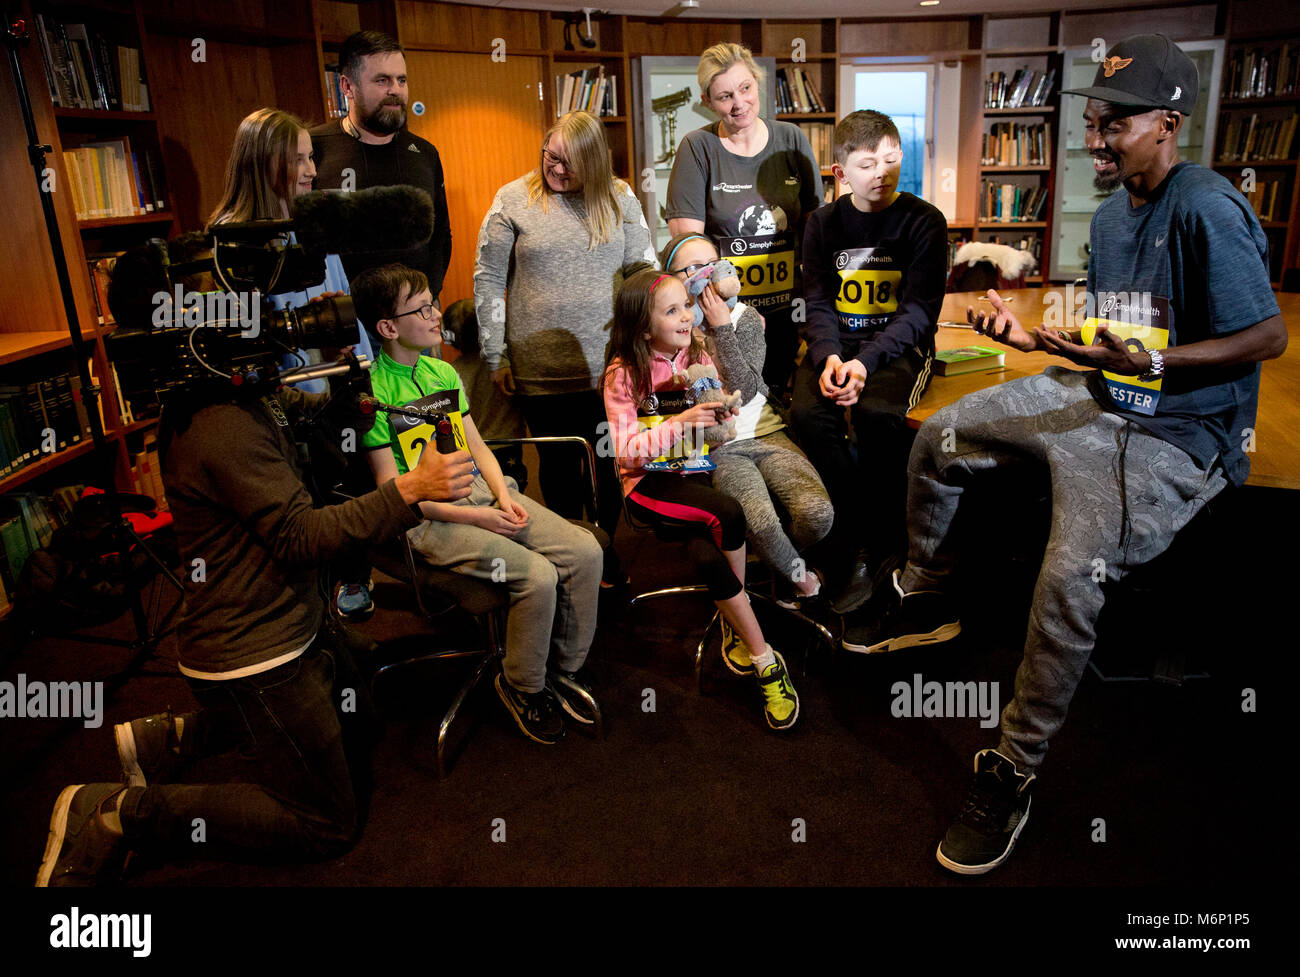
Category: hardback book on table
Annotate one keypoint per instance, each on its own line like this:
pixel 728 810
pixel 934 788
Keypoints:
pixel 966 359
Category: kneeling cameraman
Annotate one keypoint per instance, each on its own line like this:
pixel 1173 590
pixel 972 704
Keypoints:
pixel 270 761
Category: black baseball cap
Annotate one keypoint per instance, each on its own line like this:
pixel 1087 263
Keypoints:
pixel 1145 70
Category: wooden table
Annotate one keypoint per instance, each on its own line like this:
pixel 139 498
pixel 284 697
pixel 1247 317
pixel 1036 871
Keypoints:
pixel 1275 462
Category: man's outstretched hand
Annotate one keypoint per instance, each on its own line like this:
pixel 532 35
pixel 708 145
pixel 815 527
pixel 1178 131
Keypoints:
pixel 1002 325
pixel 1108 352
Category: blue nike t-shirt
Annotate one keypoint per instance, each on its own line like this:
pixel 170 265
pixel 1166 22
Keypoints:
pixel 1192 264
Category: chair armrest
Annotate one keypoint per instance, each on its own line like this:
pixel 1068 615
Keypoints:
pixel 590 506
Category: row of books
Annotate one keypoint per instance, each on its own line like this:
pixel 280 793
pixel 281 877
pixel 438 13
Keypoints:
pixel 39 418
pixel 1023 89
pixel 1017 144
pixel 146 473
pixel 110 179
pixel 1265 197
pixel 86 70
pixel 27 523
pixel 795 92
pixel 1250 139
pixel 1012 202
pixel 588 90
pixel 821 135
pixel 335 101
pixel 1261 72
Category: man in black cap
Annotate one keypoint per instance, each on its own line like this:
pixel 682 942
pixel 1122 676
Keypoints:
pixel 1178 284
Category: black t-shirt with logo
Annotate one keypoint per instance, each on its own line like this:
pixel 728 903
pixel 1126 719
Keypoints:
pixel 874 282
pixel 752 206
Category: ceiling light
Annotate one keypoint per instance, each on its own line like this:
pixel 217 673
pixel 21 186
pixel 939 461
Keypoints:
pixel 677 9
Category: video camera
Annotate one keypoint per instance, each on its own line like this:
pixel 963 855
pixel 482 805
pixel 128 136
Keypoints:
pixel 193 314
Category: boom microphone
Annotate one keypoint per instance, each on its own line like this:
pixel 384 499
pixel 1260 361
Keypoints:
pixel 378 219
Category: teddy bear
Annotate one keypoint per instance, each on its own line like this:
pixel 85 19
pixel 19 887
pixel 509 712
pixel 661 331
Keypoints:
pixel 704 384
pixel 722 275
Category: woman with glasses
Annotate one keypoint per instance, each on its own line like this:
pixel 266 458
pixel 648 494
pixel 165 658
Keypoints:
pixel 549 254
pixel 749 185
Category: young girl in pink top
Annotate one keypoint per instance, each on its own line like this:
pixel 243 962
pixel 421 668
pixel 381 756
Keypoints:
pixel 651 346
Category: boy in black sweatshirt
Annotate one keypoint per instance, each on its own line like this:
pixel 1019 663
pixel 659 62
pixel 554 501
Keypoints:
pixel 874 264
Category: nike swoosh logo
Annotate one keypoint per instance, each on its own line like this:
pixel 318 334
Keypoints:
pixel 1160 240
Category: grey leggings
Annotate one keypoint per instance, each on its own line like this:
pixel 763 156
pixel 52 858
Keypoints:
pixel 751 472
pixel 1052 420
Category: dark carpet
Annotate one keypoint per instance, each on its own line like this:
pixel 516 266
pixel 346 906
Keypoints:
pixel 1147 785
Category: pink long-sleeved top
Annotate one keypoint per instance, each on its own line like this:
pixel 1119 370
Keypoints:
pixel 634 443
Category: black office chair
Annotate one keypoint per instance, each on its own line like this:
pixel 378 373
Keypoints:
pixel 1171 579
pixel 438 591
pixel 679 531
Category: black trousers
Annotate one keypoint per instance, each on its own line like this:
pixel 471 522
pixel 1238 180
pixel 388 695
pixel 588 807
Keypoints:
pixel 867 486
pixel 781 333
pixel 717 520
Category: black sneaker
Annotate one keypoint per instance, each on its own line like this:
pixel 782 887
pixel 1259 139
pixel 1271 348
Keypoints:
pixel 537 713
pixel 996 810
pixel 573 689
pixel 80 850
pixel 149 748
pixel 869 578
pixel 923 617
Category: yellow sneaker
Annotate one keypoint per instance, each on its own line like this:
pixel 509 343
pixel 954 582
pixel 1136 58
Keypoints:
pixel 780 701
pixel 735 653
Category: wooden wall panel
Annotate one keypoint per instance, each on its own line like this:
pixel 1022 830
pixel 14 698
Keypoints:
pixel 487 122
pixel 29 288
pixel 778 35
pixel 467 26
pixel 198 131
pixel 245 13
pixel 686 38
pixel 338 19
pixel 904 37
pixel 1079 28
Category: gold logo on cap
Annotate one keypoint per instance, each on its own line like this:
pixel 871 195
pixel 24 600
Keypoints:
pixel 1115 63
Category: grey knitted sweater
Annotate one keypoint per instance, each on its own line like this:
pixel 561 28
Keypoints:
pixel 544 302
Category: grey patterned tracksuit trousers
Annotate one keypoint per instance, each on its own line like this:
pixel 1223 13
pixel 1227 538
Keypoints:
pixel 1053 420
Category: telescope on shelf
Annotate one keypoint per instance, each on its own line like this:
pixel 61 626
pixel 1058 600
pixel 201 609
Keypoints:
pixel 665 107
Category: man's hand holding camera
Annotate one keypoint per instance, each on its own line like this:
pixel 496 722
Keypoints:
pixel 437 478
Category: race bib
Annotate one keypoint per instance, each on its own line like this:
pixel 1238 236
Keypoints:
pixel 1141 320
pixel 765 265
pixel 868 294
pixel 656 409
pixel 412 436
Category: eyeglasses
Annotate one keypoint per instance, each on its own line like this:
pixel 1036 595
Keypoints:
pixel 553 160
pixel 690 270
pixel 424 312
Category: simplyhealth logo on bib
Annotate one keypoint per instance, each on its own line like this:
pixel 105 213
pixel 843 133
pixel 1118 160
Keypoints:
pixel 685 456
pixel 411 436
pixel 765 266
pixel 869 280
pixel 1141 321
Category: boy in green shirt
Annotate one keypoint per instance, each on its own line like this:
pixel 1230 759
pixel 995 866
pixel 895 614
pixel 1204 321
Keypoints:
pixel 551 566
